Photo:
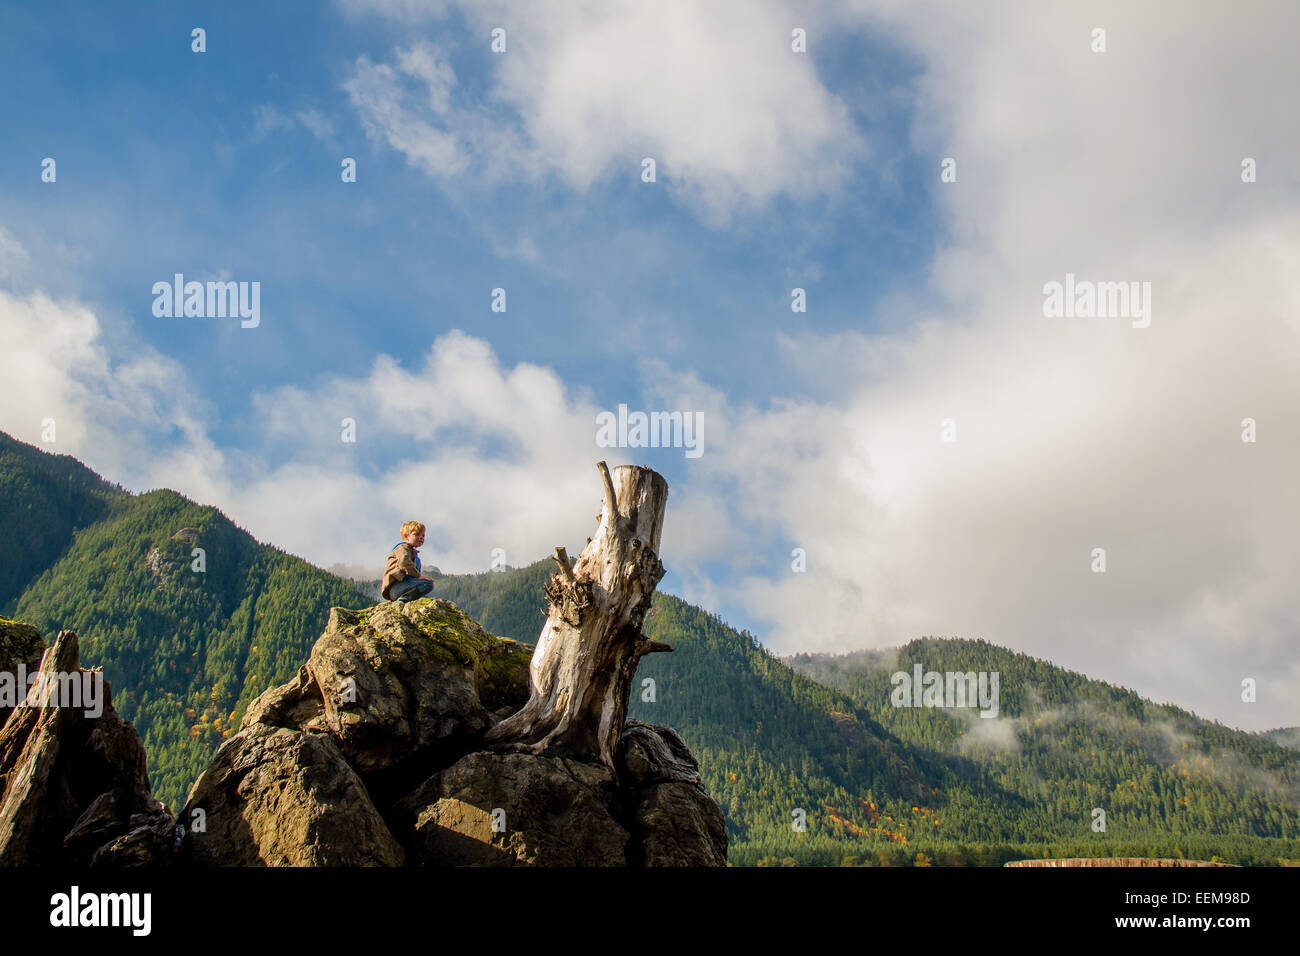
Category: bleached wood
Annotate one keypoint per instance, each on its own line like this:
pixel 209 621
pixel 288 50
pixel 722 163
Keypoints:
pixel 587 654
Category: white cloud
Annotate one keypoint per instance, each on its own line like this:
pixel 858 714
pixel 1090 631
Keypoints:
pixel 1073 433
pixel 489 457
pixel 316 123
pixel 270 119
pixel 108 406
pixel 378 92
pixel 586 90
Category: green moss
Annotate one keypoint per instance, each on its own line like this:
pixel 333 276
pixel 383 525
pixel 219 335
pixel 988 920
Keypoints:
pixel 454 638
pixel 457 638
pixel 341 617
pixel 506 659
pixel 500 664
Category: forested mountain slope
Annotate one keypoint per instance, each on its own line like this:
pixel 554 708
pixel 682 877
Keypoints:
pixel 809 760
pixel 1063 746
pixel 184 649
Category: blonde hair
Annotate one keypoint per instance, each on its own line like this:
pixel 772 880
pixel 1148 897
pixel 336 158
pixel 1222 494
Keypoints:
pixel 409 526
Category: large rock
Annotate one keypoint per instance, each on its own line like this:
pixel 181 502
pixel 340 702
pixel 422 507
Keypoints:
pixel 673 820
pixel 75 786
pixel 373 754
pixel 397 680
pixel 20 651
pixel 514 808
pixel 677 824
pixel 297 704
pixel 511 809
pixel 388 696
pixel 280 797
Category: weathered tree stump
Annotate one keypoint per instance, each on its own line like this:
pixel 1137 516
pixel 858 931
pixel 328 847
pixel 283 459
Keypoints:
pixel 586 657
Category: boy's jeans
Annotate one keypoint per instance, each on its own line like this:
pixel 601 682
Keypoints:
pixel 408 589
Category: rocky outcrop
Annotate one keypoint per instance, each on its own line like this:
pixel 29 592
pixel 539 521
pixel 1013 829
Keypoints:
pixel 401 689
pixel 519 808
pixel 280 797
pixel 507 809
pixel 20 653
pixel 674 819
pixel 73 775
pixel 374 754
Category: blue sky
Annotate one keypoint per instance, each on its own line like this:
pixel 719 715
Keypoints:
pixel 776 169
pixel 170 153
pixel 172 160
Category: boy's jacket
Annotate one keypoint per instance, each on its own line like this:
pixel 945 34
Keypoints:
pixel 401 565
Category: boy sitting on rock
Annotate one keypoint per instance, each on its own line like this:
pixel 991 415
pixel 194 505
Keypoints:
pixel 402 578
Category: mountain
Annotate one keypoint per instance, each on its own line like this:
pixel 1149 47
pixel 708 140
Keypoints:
pixel 883 784
pixel 1063 746
pixel 807 759
pixel 185 650
pixel 45 499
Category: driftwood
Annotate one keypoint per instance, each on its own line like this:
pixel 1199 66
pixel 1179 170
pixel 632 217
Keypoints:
pixel 586 657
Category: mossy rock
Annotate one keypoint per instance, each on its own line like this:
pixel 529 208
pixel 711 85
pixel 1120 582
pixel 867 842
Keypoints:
pixel 500 665
pixel 19 644
pixel 401 681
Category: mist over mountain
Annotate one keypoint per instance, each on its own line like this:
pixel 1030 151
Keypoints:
pixel 1284 736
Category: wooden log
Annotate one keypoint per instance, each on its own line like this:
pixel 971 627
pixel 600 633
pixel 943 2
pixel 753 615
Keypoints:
pixel 586 657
